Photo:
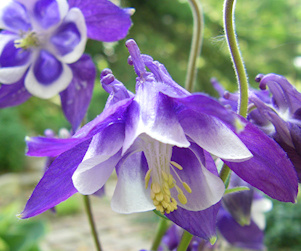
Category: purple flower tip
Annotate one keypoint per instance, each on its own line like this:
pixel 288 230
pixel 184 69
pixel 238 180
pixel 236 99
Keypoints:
pixel 136 58
pixel 105 72
pixel 107 79
pixel 259 77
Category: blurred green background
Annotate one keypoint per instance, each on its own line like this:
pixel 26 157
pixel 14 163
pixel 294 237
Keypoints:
pixel 269 34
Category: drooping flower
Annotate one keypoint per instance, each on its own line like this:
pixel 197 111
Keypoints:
pixel 159 141
pixel 280 116
pixel 42 45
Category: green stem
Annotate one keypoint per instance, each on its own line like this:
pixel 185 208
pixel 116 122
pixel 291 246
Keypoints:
pixel 240 71
pixel 161 229
pixel 238 65
pixel 196 44
pixel 91 222
pixel 186 238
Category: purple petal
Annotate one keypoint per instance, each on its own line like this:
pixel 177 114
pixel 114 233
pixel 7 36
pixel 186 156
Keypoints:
pixel 13 62
pixel 56 184
pixel 14 17
pixel 201 103
pixel 284 94
pixel 239 204
pixel 76 98
pixel 51 147
pixel 269 170
pixel 105 21
pixel 66 38
pixel 71 36
pixel 130 194
pixel 13 94
pixel 201 223
pixel 114 87
pixel 250 236
pixel 46 13
pixel 111 115
pixel 47 68
pixel 11 56
pixel 294 153
pixel 48 76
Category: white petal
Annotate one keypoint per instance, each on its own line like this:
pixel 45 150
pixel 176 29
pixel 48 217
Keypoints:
pixel 215 137
pixel 91 175
pixel 48 91
pixel 76 16
pixel 130 195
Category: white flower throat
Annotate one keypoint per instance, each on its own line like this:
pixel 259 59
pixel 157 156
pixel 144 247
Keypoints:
pixel 158 157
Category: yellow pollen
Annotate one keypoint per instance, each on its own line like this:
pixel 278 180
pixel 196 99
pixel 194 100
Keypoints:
pixel 175 164
pixel 159 197
pixel 187 187
pixel 155 187
pixel 147 177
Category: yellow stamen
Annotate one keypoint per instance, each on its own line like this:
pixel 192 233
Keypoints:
pixel 175 164
pixel 182 198
pixel 147 177
pixel 187 187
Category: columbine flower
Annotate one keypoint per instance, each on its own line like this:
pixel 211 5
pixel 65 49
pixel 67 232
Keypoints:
pixel 42 42
pixel 279 117
pixel 158 140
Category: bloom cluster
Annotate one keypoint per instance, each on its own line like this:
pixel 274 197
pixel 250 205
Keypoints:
pixel 160 142
pixel 169 147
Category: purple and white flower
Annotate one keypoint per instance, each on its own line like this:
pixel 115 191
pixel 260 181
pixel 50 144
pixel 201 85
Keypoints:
pixel 42 45
pixel 279 117
pixel 159 141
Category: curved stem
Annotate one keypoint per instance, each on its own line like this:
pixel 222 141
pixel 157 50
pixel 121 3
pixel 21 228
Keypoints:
pixel 240 71
pixel 91 222
pixel 186 238
pixel 162 227
pixel 196 44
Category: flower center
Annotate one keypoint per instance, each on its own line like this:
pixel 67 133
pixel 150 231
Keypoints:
pixel 29 40
pixel 158 156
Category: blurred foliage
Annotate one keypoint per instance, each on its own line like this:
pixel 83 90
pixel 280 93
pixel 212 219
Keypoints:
pixel 23 236
pixel 283 228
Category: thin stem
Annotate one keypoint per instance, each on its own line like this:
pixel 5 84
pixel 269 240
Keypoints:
pixel 186 238
pixel 240 71
pixel 196 44
pixel 91 222
pixel 161 229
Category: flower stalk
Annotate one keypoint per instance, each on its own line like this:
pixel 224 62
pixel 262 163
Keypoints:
pixel 161 229
pixel 186 238
pixel 238 65
pixel 236 57
pixel 91 222
pixel 196 45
